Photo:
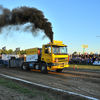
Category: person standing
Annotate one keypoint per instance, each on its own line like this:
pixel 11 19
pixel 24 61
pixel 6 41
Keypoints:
pixel 94 58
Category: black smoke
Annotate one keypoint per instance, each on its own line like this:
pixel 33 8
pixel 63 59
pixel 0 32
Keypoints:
pixel 23 15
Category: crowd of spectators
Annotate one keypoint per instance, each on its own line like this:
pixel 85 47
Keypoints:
pixel 84 59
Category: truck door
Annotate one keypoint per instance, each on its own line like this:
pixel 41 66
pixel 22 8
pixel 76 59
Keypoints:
pixel 47 54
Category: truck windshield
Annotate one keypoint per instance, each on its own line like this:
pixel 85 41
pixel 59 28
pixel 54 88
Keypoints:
pixel 59 49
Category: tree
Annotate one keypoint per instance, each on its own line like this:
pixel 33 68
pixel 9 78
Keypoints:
pixel 23 52
pixel 4 52
pixel 10 51
pixel 17 52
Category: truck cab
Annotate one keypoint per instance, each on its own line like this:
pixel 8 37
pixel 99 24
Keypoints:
pixel 54 56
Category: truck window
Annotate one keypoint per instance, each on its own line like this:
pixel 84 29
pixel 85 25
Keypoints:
pixel 59 49
pixel 47 49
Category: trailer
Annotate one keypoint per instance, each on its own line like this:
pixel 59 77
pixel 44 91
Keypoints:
pixel 11 60
pixel 8 56
pixel 52 56
pixel 33 57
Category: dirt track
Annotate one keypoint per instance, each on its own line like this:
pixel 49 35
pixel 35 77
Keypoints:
pixel 85 83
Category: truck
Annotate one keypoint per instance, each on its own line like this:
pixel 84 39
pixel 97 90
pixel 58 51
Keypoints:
pixel 52 56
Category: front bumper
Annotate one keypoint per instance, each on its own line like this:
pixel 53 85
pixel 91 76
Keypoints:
pixel 54 66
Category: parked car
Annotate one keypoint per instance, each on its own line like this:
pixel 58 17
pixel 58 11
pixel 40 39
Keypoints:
pixel 96 63
pixel 4 63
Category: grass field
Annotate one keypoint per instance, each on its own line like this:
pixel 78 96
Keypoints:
pixel 31 93
pixel 84 67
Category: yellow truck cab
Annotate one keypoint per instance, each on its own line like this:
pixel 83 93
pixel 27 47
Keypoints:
pixel 52 56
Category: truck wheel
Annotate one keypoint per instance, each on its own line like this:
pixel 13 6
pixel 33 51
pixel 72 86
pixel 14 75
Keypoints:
pixel 37 67
pixel 44 68
pixel 59 70
pixel 25 66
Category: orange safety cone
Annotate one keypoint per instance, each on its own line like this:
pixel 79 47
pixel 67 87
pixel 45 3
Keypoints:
pixel 74 67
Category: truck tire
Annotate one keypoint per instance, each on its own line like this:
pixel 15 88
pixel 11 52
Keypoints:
pixel 59 70
pixel 36 67
pixel 25 66
pixel 44 68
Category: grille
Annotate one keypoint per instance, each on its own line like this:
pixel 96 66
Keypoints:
pixel 62 59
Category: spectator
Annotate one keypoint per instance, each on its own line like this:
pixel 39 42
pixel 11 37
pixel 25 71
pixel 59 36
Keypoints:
pixel 94 58
pixel 88 60
pixel 99 58
pixel 83 59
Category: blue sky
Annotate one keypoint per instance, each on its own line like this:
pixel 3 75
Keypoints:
pixel 75 22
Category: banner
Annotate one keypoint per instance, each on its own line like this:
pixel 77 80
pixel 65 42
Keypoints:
pixel 84 46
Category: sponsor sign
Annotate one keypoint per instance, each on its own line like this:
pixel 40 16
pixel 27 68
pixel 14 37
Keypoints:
pixel 32 51
pixel 84 46
pixel 32 57
pixel 57 42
